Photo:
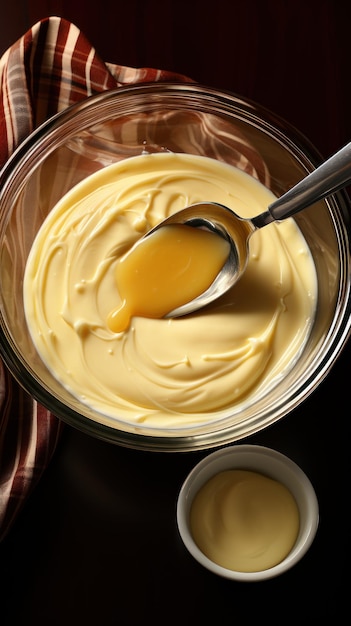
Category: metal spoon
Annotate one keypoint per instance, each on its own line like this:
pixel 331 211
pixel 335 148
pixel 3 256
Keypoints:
pixel 332 175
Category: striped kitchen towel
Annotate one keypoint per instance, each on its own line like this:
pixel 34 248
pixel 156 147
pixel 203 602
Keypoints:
pixel 51 67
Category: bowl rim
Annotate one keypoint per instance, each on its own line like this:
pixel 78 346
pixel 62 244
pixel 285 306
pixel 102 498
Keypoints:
pixel 267 461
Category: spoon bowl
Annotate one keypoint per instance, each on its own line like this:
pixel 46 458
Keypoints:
pixel 329 177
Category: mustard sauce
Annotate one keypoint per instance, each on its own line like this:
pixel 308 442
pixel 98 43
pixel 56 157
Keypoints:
pixel 172 266
pixel 244 521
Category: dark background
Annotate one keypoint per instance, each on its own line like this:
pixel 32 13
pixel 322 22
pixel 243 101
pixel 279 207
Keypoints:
pixel 292 56
pixel 97 542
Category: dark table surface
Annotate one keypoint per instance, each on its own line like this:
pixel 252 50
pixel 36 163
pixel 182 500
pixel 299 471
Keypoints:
pixel 97 542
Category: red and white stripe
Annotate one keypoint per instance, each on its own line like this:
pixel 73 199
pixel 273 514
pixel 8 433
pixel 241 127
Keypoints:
pixel 51 67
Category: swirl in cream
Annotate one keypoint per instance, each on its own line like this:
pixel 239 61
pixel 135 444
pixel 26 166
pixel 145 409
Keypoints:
pixel 165 372
pixel 244 521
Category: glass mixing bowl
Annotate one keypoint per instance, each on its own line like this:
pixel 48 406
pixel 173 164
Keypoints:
pixel 186 118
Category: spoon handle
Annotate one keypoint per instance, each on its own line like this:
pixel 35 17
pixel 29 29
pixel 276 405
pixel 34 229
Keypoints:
pixel 332 175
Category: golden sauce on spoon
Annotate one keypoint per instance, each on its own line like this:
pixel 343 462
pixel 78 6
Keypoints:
pixel 172 266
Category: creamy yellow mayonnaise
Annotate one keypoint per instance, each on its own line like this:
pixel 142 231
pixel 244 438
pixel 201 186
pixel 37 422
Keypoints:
pixel 164 372
pixel 244 521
